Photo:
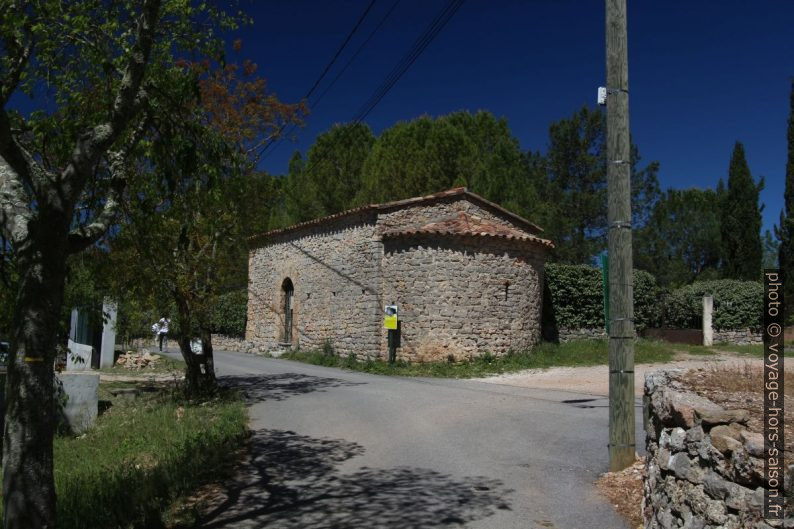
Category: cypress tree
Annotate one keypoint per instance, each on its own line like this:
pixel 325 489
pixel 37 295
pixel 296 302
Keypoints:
pixel 740 221
pixel 785 231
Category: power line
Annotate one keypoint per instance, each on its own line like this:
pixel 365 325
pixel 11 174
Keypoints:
pixel 419 46
pixel 341 48
pixel 326 69
pixel 353 57
pixel 421 43
pixel 341 72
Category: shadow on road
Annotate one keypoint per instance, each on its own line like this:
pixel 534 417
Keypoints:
pixel 292 481
pixel 261 388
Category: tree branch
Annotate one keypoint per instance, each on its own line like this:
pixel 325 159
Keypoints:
pixel 14 204
pixel 10 81
pixel 94 143
pixel 86 235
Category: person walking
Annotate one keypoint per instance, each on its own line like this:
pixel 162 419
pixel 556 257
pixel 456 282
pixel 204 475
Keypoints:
pixel 162 332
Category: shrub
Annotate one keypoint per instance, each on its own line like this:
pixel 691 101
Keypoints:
pixel 647 296
pixel 738 305
pixel 229 313
pixel 574 298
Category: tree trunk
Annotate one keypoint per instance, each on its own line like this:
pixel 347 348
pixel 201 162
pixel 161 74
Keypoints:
pixel 199 368
pixel 28 484
pixel 209 360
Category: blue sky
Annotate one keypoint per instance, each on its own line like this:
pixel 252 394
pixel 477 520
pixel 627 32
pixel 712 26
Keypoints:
pixel 702 74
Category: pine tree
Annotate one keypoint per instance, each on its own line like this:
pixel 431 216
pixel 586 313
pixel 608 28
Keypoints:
pixel 786 230
pixel 740 221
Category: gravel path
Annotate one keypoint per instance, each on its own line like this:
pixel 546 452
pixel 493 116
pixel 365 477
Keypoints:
pixel 594 380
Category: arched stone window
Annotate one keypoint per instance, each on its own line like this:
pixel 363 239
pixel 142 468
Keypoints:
pixel 287 291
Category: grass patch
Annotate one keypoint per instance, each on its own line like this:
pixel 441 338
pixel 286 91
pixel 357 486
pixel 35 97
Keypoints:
pixel 756 349
pixel 142 455
pixel 689 348
pixel 544 355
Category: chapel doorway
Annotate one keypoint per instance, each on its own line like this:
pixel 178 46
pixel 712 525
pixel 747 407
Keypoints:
pixel 288 292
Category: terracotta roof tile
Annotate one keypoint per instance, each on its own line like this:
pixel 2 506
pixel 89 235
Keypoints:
pixel 456 191
pixel 466 224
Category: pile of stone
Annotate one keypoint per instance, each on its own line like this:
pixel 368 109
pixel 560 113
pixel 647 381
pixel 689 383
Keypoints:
pixel 704 468
pixel 137 360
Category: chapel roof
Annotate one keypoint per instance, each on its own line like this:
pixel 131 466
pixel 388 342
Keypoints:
pixel 472 225
pixel 494 227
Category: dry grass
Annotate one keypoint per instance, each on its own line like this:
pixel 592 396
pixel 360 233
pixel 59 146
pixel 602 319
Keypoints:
pixel 624 491
pixel 740 386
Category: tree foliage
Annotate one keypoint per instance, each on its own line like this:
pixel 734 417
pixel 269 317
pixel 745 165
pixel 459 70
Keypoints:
pixel 98 73
pixel 575 187
pixel 740 221
pixel 785 230
pixel 415 158
pixel 681 241
pixel 183 235
pixel 328 180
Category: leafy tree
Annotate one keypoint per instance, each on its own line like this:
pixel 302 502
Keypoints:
pixel 785 231
pixel 477 150
pixel 576 187
pixel 681 241
pixel 184 235
pixel 105 68
pixel 299 194
pixel 331 173
pixel 503 174
pixel 740 221
pixel 415 158
pixel 771 250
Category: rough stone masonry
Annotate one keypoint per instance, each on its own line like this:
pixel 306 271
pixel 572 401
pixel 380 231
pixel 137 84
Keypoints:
pixel 704 469
pixel 466 275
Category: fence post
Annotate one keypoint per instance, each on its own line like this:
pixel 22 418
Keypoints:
pixel 708 333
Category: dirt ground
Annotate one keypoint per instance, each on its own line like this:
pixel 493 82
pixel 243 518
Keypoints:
pixel 624 491
pixel 594 380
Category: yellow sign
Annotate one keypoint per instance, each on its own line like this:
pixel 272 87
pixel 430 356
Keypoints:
pixel 390 322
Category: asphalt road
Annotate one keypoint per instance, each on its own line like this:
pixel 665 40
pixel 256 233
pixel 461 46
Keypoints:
pixel 338 449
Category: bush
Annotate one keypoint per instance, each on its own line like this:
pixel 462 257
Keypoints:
pixel 229 313
pixel 574 298
pixel 647 296
pixel 738 305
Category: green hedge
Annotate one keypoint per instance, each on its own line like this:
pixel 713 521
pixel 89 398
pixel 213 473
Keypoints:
pixel 574 298
pixel 229 313
pixel 738 305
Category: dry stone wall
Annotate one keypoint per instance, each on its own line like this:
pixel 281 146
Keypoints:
pixel 738 337
pixel 567 335
pixel 461 296
pixel 221 342
pixel 704 468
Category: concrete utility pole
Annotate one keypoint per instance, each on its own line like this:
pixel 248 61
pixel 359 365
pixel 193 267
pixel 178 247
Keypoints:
pixel 621 303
